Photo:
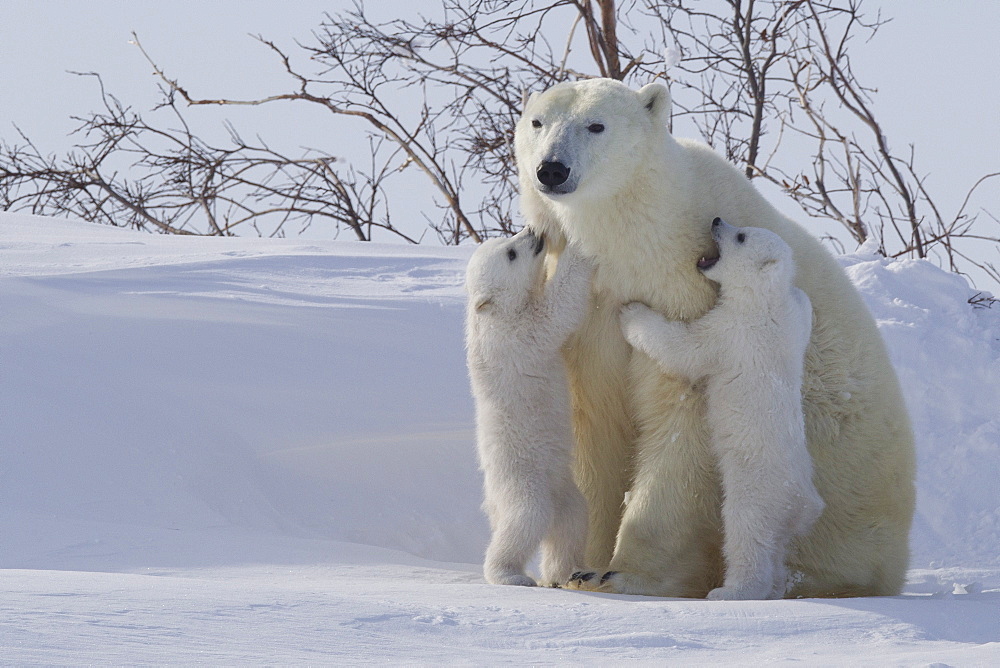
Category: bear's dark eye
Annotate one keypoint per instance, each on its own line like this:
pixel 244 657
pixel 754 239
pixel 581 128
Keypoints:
pixel 535 123
pixel 596 128
pixel 741 237
pixel 511 254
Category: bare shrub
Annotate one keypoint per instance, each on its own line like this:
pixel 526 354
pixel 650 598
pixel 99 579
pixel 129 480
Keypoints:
pixel 768 83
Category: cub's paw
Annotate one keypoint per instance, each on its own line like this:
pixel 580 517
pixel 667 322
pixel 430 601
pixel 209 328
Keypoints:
pixel 576 260
pixel 632 318
pixel 516 579
pixel 592 581
pixel 632 312
pixel 748 593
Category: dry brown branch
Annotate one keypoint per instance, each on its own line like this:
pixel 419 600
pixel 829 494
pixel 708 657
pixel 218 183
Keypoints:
pixel 182 185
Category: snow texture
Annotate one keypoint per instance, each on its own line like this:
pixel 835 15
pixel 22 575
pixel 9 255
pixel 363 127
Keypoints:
pixel 247 451
pixel 671 57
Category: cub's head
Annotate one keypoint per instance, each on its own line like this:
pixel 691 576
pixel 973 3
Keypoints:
pixel 504 274
pixel 587 138
pixel 748 257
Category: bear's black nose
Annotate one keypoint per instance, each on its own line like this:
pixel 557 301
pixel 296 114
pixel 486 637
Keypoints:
pixel 552 174
pixel 716 222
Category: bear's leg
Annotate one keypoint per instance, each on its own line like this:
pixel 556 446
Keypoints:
pixel 564 546
pixel 602 445
pixel 597 358
pixel 670 539
pixel 518 528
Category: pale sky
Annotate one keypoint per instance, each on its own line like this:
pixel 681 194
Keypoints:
pixel 936 67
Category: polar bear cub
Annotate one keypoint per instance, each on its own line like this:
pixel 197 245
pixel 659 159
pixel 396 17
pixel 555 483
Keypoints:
pixel 750 349
pixel 516 324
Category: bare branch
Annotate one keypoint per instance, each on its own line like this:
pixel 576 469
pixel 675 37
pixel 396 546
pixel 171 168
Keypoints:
pixel 758 80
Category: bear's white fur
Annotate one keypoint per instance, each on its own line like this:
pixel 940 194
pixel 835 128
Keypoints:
pixel 640 204
pixel 516 323
pixel 750 349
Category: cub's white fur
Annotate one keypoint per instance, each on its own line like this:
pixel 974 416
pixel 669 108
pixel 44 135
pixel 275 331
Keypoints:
pixel 516 324
pixel 750 349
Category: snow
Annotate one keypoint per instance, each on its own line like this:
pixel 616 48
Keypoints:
pixel 248 451
pixel 671 57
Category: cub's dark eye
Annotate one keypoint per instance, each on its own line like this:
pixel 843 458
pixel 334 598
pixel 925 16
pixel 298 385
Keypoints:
pixel 535 123
pixel 511 254
pixel 741 237
pixel 596 128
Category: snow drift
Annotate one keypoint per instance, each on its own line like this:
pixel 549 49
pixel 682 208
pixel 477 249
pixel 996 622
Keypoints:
pixel 262 450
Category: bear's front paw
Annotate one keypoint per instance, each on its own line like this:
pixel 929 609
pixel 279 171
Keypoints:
pixel 579 578
pixel 592 581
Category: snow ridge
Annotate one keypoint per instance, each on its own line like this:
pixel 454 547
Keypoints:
pixel 261 451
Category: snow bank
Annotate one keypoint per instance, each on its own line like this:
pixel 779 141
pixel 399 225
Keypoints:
pixel 947 355
pixel 247 450
pixel 307 390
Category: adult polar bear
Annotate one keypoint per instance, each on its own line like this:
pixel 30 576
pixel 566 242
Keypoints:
pixel 597 167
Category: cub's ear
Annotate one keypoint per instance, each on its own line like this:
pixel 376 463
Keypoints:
pixel 655 98
pixel 484 304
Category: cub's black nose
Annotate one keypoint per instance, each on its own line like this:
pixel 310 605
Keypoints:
pixel 716 222
pixel 552 174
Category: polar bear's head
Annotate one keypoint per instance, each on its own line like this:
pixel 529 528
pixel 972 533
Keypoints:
pixel 748 257
pixel 505 274
pixel 587 138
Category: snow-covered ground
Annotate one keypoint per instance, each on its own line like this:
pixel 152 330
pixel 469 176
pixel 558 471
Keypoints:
pixel 234 451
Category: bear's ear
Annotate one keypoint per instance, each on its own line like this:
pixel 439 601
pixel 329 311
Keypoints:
pixel 655 98
pixel 484 304
pixel 526 97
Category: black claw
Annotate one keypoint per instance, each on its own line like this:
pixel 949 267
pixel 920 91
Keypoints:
pixel 607 576
pixel 582 577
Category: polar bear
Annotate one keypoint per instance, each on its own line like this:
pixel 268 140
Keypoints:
pixel 516 323
pixel 598 168
pixel 750 349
